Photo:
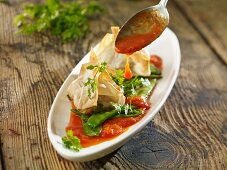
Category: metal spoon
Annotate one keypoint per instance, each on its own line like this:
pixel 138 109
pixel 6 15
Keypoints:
pixel 142 28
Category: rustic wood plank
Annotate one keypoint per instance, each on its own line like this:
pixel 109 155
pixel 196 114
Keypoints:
pixel 208 18
pixel 189 132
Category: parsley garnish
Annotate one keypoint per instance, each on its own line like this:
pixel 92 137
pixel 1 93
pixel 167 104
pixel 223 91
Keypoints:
pixel 91 83
pixel 118 78
pixel 71 142
pixel 92 86
pixel 68 20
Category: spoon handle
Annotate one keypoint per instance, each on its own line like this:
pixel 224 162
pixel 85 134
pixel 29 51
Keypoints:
pixel 163 2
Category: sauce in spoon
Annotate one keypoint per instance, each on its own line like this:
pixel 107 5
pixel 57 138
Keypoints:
pixel 138 32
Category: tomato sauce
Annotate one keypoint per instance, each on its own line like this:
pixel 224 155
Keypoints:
pixel 135 43
pixel 138 101
pixel 111 129
pixel 156 61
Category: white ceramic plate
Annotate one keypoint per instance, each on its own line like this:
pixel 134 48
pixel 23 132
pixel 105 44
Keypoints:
pixel 166 46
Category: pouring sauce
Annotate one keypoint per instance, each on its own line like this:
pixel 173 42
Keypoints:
pixel 128 72
pixel 143 29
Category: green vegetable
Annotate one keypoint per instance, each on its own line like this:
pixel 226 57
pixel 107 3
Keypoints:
pixel 144 91
pixel 138 85
pixel 91 83
pixel 92 125
pixel 130 86
pixel 68 20
pixel 88 130
pixel 132 113
pixel 118 78
pixel 154 70
pixel 71 142
pixel 126 110
pixel 153 76
pixel 97 119
pixel 92 131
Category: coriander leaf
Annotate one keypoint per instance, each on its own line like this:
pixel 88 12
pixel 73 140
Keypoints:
pixel 71 142
pixel 91 83
pixel 102 67
pixel 91 67
pixel 92 86
pixel 118 78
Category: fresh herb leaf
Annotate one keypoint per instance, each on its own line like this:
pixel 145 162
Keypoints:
pixel 68 20
pixel 131 113
pixel 71 142
pixel 102 67
pixel 91 83
pixel 91 67
pixel 131 85
pixel 118 78
pixel 92 86
pixel 123 109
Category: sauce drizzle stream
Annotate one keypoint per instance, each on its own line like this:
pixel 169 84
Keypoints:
pixel 128 72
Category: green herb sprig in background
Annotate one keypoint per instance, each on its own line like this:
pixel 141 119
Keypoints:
pixel 67 20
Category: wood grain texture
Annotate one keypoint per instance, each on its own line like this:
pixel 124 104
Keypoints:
pixel 190 131
pixel 208 18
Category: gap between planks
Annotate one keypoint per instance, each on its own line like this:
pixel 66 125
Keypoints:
pixel 2 163
pixel 202 32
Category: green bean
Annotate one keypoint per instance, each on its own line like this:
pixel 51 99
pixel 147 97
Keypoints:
pixel 88 130
pixel 98 118
pixel 132 113
pixel 145 90
pixel 154 70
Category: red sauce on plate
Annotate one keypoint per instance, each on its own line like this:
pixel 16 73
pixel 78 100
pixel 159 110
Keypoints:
pixel 156 61
pixel 111 129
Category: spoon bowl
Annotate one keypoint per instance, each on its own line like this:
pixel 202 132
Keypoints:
pixel 142 28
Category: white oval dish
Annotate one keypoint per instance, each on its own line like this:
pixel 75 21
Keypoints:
pixel 166 46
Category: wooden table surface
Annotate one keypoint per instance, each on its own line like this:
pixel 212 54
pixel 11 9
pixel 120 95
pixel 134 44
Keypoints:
pixel 189 132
